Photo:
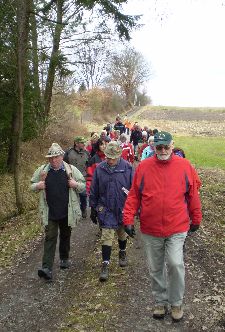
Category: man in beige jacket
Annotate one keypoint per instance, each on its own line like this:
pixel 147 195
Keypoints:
pixel 59 185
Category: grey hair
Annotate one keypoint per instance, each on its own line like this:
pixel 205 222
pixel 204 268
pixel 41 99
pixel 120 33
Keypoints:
pixel 123 136
pixel 151 138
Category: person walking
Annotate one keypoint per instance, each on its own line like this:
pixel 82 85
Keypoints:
pixel 142 144
pixel 135 138
pixel 78 156
pixel 90 147
pixel 119 126
pixel 98 157
pixel 127 149
pixel 127 124
pixel 149 150
pixel 59 185
pixel 169 206
pixel 111 181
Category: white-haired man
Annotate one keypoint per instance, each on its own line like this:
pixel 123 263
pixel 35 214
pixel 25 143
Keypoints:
pixel 59 185
pixel 167 200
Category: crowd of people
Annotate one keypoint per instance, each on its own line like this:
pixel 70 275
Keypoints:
pixel 122 172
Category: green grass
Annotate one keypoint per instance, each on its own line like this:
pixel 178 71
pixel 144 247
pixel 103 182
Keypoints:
pixel 208 152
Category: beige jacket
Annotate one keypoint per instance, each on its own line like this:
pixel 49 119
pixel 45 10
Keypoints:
pixel 74 212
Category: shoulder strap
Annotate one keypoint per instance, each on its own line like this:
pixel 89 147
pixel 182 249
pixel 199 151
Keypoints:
pixel 68 169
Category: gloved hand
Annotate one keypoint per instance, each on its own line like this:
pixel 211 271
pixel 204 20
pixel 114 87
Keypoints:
pixel 129 229
pixel 193 228
pixel 93 216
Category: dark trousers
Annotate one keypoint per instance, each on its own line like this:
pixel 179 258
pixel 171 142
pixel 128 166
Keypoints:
pixel 51 236
pixel 83 200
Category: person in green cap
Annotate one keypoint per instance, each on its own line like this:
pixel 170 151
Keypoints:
pixel 78 156
pixel 166 192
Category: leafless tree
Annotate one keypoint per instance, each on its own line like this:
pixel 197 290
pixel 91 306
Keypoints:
pixel 128 70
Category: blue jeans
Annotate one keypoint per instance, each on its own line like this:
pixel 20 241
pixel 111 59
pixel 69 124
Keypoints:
pixel 166 267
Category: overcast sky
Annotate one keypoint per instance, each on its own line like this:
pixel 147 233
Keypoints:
pixel 184 40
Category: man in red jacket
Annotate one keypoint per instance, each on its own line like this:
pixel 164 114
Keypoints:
pixel 165 191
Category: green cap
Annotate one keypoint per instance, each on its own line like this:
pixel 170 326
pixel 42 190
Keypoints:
pixel 162 138
pixel 79 139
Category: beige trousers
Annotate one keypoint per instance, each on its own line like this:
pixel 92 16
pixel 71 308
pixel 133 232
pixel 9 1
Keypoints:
pixel 108 235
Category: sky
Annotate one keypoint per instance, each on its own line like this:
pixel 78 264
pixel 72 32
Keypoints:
pixel 184 42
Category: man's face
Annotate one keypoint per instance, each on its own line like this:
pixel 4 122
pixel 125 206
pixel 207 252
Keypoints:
pixel 151 143
pixel 112 162
pixel 79 146
pixel 163 152
pixel 56 162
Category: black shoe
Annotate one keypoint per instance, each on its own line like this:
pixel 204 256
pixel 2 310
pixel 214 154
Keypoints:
pixel 84 214
pixel 122 258
pixel 104 275
pixel 64 264
pixel 45 273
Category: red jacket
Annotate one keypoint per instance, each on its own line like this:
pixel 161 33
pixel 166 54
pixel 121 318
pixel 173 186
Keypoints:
pixel 92 164
pixel 167 195
pixel 127 152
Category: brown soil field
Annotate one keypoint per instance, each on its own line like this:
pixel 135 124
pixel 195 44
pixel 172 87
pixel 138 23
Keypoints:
pixel 203 122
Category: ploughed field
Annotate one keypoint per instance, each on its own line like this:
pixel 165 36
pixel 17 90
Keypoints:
pixel 184 121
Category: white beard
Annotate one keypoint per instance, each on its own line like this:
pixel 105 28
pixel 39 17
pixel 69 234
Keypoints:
pixel 163 157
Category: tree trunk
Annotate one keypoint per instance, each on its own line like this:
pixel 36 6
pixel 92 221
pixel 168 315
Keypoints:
pixel 23 12
pixel 54 58
pixel 35 60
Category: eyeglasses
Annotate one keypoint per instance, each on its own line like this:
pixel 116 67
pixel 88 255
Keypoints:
pixel 160 147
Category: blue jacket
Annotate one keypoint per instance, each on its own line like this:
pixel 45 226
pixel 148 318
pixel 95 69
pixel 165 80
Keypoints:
pixel 147 152
pixel 107 195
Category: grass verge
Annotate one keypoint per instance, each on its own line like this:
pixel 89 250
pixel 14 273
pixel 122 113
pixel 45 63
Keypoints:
pixel 208 152
pixel 16 237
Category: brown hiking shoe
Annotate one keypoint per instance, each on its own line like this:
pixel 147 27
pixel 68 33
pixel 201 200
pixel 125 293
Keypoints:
pixel 104 275
pixel 122 258
pixel 177 313
pixel 159 311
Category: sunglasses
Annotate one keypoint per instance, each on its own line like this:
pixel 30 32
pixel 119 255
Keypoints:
pixel 160 147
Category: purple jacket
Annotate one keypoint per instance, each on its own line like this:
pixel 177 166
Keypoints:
pixel 107 195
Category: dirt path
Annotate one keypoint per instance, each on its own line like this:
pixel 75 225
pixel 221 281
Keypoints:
pixel 204 307
pixel 29 304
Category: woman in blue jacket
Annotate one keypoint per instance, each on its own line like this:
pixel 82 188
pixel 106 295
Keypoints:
pixel 110 185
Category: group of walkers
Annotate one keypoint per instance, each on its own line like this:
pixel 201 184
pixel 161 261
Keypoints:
pixel 162 190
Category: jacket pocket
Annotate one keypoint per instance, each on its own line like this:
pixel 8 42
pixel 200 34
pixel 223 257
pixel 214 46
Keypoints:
pixel 101 213
pixel 107 218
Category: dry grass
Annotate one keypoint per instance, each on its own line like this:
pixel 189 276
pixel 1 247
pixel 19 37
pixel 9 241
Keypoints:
pixel 183 121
